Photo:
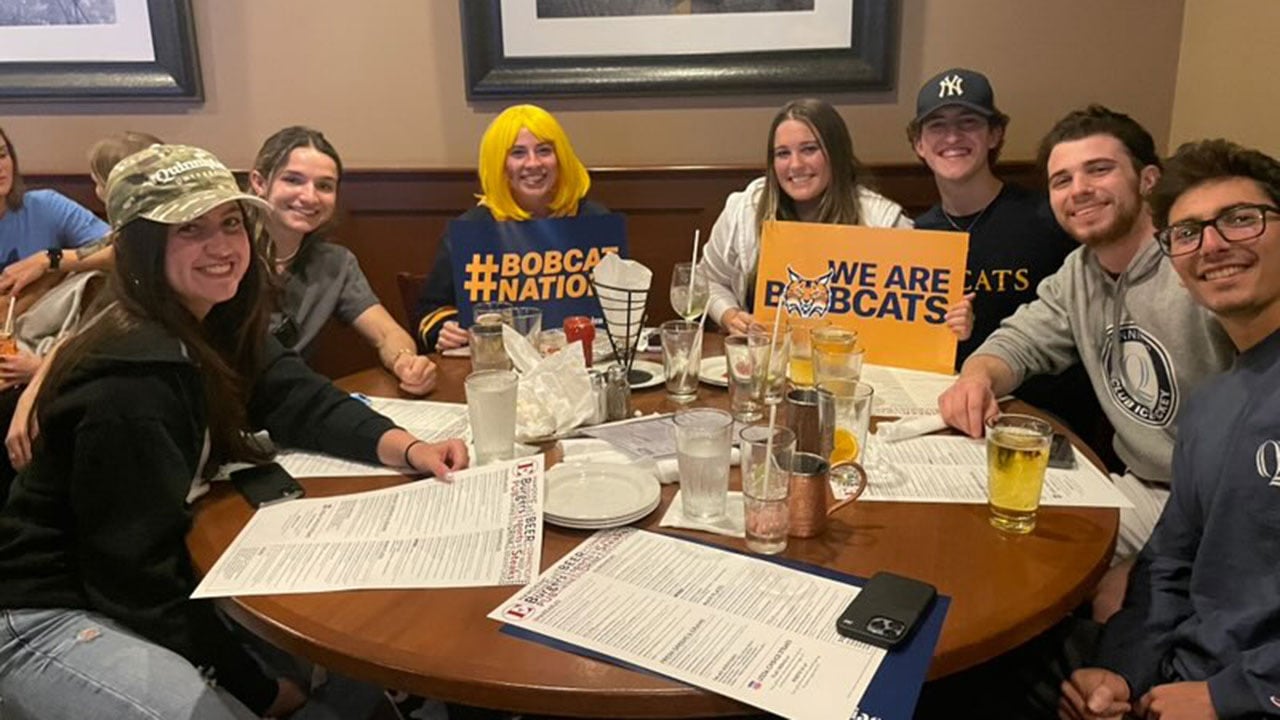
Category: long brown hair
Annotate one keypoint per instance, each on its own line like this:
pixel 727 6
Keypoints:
pixel 272 157
pixel 19 188
pixel 226 347
pixel 839 203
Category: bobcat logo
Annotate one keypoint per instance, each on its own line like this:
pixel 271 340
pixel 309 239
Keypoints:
pixel 807 297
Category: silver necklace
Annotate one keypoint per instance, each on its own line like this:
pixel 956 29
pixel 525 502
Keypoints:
pixel 972 222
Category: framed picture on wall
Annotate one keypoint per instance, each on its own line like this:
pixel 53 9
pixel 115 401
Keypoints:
pixel 98 50
pixel 577 48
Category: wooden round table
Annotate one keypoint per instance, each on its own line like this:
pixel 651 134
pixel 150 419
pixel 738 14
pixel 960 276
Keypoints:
pixel 1004 590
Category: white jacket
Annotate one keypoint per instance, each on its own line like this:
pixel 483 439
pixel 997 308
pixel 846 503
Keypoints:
pixel 734 248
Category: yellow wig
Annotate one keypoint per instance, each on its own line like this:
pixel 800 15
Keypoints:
pixel 573 180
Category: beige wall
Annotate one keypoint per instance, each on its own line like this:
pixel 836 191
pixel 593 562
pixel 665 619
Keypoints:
pixel 1225 84
pixel 383 79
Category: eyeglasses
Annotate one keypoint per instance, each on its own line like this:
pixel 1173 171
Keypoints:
pixel 1237 223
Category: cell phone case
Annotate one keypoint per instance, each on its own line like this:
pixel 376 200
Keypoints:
pixel 266 484
pixel 1061 454
pixel 886 610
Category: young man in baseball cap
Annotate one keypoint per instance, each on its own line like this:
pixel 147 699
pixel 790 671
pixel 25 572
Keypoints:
pixel 1014 241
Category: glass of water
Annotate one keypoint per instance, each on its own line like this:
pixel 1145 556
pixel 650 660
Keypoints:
pixel 704 437
pixel 491 407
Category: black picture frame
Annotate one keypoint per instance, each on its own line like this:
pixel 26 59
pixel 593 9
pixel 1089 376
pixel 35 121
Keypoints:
pixel 868 65
pixel 174 75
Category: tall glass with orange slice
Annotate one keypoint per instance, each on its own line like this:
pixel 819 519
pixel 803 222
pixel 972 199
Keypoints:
pixel 844 416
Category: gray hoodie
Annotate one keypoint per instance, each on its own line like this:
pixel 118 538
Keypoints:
pixel 1169 345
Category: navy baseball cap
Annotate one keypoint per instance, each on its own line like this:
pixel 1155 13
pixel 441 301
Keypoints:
pixel 957 86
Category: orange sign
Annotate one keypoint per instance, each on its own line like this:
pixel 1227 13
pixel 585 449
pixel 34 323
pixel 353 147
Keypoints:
pixel 893 286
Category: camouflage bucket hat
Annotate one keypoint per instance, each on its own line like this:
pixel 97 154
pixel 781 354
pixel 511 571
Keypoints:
pixel 171 184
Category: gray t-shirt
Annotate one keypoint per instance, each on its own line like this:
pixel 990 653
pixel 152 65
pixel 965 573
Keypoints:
pixel 327 283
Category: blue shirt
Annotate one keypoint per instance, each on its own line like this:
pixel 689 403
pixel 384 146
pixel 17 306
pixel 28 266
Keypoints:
pixel 46 220
pixel 1201 603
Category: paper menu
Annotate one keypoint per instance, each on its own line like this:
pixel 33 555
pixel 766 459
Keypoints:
pixel 485 528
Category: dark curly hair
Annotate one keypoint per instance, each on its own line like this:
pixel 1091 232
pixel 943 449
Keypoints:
pixel 1199 162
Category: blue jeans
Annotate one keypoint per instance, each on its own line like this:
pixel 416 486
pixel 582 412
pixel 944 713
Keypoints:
pixel 75 664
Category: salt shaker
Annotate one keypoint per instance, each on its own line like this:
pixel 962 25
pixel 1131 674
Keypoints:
pixel 600 391
pixel 619 392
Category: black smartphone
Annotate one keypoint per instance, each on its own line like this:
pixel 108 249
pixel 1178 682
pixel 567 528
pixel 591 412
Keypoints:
pixel 887 610
pixel 266 484
pixel 1061 454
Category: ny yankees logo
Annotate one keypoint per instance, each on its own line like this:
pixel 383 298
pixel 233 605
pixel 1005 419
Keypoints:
pixel 1268 461
pixel 950 85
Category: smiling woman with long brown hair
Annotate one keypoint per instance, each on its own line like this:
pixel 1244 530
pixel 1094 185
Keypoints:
pixel 164 384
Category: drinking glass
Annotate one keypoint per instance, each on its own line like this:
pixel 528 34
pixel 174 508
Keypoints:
pixel 776 357
pixel 836 355
pixel 844 416
pixel 489 313
pixel 487 349
pixel 1017 455
pixel 491 407
pixel 527 321
pixel 689 290
pixel 704 437
pixel 766 478
pixel 551 342
pixel 800 369
pixel 681 358
pixel 746 357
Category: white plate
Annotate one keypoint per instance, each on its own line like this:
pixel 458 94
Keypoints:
pixel 598 492
pixel 714 371
pixel 603 524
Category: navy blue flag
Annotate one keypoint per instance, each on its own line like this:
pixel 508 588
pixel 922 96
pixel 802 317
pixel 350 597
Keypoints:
pixel 542 263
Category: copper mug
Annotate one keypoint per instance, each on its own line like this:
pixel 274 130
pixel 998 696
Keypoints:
pixel 810 500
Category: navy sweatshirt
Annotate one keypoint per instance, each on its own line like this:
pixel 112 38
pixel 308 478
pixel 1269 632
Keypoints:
pixel 1204 595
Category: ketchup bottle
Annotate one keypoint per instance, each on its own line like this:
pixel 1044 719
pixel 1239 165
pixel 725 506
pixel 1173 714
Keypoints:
pixel 580 327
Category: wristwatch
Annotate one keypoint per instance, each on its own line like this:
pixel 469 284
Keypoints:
pixel 55 258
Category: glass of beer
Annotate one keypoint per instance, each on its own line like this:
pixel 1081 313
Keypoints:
pixel 1017 455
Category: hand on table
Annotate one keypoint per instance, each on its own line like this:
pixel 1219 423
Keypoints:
pixel 452 336
pixel 1094 694
pixel 960 317
pixel 968 403
pixel 1177 701
pixel 439 459
pixel 416 373
pixel 737 321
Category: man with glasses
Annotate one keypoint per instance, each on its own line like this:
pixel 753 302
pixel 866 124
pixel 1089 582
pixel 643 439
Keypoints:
pixel 1197 636
pixel 1115 306
pixel 1014 241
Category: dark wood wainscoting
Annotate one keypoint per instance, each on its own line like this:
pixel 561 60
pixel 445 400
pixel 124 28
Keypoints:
pixel 393 220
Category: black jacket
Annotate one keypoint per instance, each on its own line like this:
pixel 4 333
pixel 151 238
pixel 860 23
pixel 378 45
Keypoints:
pixel 99 520
pixel 435 305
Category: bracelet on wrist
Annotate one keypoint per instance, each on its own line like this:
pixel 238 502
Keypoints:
pixel 407 462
